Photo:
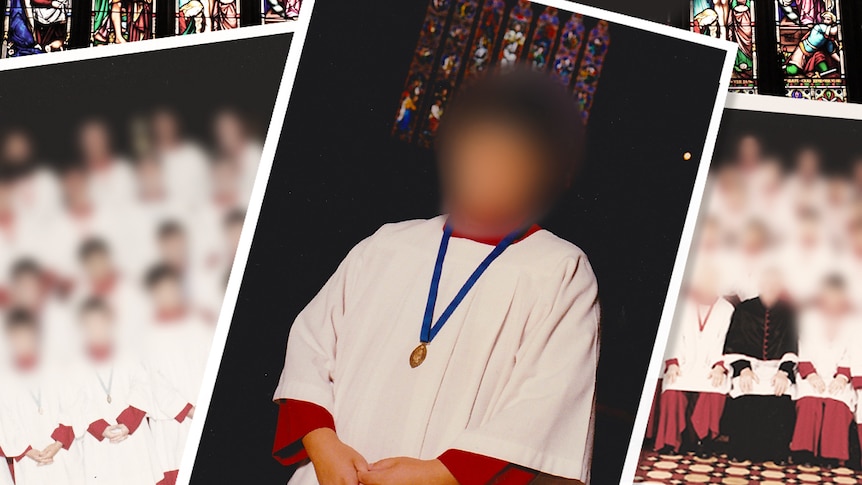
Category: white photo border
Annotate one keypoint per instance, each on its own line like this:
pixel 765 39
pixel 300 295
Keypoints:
pixel 735 102
pixel 267 159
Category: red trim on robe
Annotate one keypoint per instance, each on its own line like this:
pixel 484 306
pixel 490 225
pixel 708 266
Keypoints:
pixel 806 369
pixel 720 363
pixel 97 429
pixel 843 371
pixel 131 417
pixel 670 362
pixel 821 428
pixel 170 478
pixel 184 413
pixel 295 420
pixel 493 241
pixel 856 381
pixel 65 435
pixel 470 468
pixel 22 455
pixel 671 419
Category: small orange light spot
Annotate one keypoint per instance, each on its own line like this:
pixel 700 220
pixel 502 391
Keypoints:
pixel 686 156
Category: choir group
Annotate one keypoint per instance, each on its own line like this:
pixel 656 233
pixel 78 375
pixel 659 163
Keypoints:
pixel 764 362
pixel 112 272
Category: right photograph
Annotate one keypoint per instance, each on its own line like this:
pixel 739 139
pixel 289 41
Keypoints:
pixel 761 375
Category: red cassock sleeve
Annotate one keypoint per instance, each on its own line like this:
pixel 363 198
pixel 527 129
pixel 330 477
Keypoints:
pixel 183 414
pixel 473 469
pixel 806 369
pixel 65 435
pixel 670 362
pixel 295 420
pixel 843 371
pixel 97 429
pixel 22 455
pixel 132 417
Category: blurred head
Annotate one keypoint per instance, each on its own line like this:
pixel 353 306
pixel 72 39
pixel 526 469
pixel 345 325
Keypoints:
pixel 749 153
pixel 165 128
pixel 833 296
pixel 810 225
pixel 755 237
pixel 225 175
pixel 709 235
pixel 230 132
pixel 150 177
pixel 26 284
pixel 704 280
pixel 23 338
pixel 855 230
pixel 95 258
pixel 97 326
pixel 771 286
pixel 808 164
pixel 509 145
pixel 17 148
pixel 173 246
pixel 165 288
pixel 76 186
pixel 94 141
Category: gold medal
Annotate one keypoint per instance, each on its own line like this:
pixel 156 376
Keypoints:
pixel 109 399
pixel 418 355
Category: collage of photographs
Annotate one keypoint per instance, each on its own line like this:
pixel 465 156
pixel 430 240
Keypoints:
pixel 430 242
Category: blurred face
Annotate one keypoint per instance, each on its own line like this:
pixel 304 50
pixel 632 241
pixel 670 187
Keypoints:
pixel 833 299
pixel 149 173
pixel 95 141
pixel 26 290
pixel 97 329
pixel 23 343
pixel 753 238
pixel 17 148
pixel 98 266
pixel 165 129
pixel 493 175
pixel 770 287
pixel 229 132
pixel 749 151
pixel 75 187
pixel 808 164
pixel 167 295
pixel 224 176
pixel 173 250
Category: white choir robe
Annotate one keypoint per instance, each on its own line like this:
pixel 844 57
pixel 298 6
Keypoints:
pixel 130 461
pixel 113 184
pixel 175 361
pixel 856 369
pixel 60 403
pixel 747 270
pixel 695 351
pixel 37 193
pixel 824 355
pixel 147 216
pixel 186 172
pixel 510 376
pixel 765 370
pixel 12 441
pixel 851 269
pixel 803 269
pixel 126 299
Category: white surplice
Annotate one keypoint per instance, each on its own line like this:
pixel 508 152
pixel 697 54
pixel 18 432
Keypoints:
pixel 697 350
pixel 511 375
pixel 826 353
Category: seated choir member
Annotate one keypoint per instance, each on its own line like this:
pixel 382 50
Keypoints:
pixel 760 352
pixel 694 387
pixel 178 347
pixel 117 446
pixel 824 400
pixel 46 406
pixel 373 394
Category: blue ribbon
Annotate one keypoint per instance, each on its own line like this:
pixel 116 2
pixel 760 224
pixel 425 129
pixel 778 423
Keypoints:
pixel 430 331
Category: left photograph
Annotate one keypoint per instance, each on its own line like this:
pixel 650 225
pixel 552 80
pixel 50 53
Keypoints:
pixel 123 190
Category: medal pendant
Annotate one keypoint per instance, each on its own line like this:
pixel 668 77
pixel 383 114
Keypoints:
pixel 418 355
pixel 109 399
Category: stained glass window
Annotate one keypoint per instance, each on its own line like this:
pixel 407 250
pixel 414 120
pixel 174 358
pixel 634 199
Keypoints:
pixel 195 16
pixel 133 19
pixel 279 10
pixel 36 26
pixel 732 20
pixel 809 34
pixel 459 40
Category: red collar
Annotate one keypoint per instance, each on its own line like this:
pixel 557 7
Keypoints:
pixel 493 241
pixel 81 212
pixel 26 363
pixel 100 354
pixel 7 219
pixel 105 285
pixel 170 316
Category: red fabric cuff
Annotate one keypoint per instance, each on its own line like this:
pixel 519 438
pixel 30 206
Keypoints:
pixel 843 371
pixel 515 475
pixel 169 478
pixel 183 414
pixel 295 420
pixel 806 369
pixel 471 468
pixel 856 381
pixel 65 435
pixel 720 363
pixel 22 455
pixel 97 429
pixel 670 362
pixel 132 417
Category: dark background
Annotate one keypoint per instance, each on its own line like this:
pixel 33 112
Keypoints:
pixel 338 175
pixel 783 135
pixel 50 101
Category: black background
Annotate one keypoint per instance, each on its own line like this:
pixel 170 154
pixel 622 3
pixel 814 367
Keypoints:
pixel 50 101
pixel 338 176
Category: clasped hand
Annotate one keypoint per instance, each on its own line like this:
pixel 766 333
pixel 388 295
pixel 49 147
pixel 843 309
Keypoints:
pixel 336 463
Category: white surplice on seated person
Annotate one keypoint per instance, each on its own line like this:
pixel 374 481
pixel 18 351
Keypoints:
pixel 510 376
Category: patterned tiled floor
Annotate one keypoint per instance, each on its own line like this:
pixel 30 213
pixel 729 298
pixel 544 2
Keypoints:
pixel 677 470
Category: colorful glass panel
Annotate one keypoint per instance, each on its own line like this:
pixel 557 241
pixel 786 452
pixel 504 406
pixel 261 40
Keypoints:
pixel 485 39
pixel 134 19
pixel 571 42
pixel 36 26
pixel 544 39
pixel 517 30
pixel 731 20
pixel 280 10
pixel 591 67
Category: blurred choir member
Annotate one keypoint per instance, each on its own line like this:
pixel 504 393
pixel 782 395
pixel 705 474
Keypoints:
pixel 695 382
pixel 824 400
pixel 114 364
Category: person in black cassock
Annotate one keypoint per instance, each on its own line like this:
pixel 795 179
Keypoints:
pixel 761 353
